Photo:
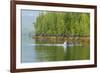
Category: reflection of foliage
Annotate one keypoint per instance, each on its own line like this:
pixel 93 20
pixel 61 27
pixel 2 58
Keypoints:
pixel 49 53
pixel 78 53
pixel 69 23
pixel 54 53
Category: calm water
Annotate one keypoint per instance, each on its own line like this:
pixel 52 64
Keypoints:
pixel 41 53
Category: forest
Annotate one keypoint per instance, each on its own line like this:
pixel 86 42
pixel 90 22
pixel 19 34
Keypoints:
pixel 62 23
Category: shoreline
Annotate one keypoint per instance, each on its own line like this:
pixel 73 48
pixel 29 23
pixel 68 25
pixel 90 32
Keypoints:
pixel 61 39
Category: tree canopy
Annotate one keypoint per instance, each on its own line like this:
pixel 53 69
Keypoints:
pixel 62 23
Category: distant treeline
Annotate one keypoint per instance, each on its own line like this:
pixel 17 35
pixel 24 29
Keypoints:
pixel 62 23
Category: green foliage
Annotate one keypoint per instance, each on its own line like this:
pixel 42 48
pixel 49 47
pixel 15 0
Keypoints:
pixel 59 23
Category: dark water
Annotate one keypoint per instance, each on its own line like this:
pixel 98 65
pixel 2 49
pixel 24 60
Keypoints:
pixel 41 53
pixel 57 53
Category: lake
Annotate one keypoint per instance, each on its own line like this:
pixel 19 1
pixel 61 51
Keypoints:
pixel 49 53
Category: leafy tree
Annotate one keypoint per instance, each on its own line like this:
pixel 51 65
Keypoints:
pixel 62 23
